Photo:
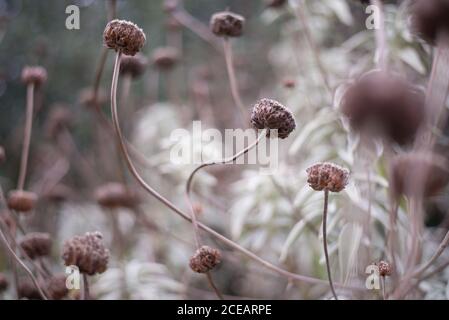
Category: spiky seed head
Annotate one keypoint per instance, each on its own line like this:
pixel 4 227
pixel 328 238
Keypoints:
pixel 87 252
pixel 327 176
pixel 124 36
pixel 21 200
pixel 271 114
pixel 227 24
pixel 36 244
pixel 34 74
pixel 205 259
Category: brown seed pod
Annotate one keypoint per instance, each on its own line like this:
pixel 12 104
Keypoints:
pixel 383 104
pixel 384 269
pixel 3 282
pixel 115 195
pixel 205 259
pixel 56 287
pixel 227 24
pixel 133 65
pixel 35 74
pixel 430 19
pixel 415 174
pixel 21 201
pixel 27 289
pixel 165 58
pixel 60 117
pixel 124 36
pixel 2 154
pixel 87 253
pixel 326 175
pixel 36 244
pixel 275 3
pixel 270 114
pixel 87 98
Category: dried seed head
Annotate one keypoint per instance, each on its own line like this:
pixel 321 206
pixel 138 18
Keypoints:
pixel 415 174
pixel 2 154
pixel 430 19
pixel 3 282
pixel 21 201
pixel 165 58
pixel 123 36
pixel 205 259
pixel 114 195
pixel 227 24
pixel 326 175
pixel 276 3
pixel 36 244
pixel 59 119
pixel 384 104
pixel 88 98
pixel 270 114
pixel 133 65
pixel 87 253
pixel 56 287
pixel 384 268
pixel 27 289
pixel 36 75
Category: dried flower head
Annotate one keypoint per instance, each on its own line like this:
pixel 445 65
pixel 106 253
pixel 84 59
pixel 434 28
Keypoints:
pixel 270 114
pixel 56 287
pixel 165 58
pixel 415 174
pixel 133 65
pixel 87 97
pixel 124 36
pixel 21 201
pixel 60 118
pixel 2 154
pixel 87 253
pixel 276 3
pixel 205 259
pixel 36 244
pixel 3 282
pixel 227 24
pixel 35 74
pixel 430 19
pixel 384 268
pixel 326 175
pixel 384 104
pixel 114 195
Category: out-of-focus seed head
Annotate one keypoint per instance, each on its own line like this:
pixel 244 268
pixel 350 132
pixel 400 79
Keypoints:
pixel 87 253
pixel 165 58
pixel 275 3
pixel 385 105
pixel 270 114
pixel 3 282
pixel 384 269
pixel 124 36
pixel 88 99
pixel 60 192
pixel 60 118
pixel 170 5
pixel 36 244
pixel 133 65
pixel 56 287
pixel 34 74
pixel 289 83
pixel 418 174
pixel 115 195
pixel 326 175
pixel 27 289
pixel 227 24
pixel 430 19
pixel 2 155
pixel 205 259
pixel 21 201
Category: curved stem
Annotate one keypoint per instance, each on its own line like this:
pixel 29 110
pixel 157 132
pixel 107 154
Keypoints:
pixel 167 203
pixel 27 136
pixel 326 254
pixel 214 287
pixel 232 79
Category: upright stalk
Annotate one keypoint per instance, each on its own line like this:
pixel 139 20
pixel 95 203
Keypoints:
pixel 86 292
pixel 326 254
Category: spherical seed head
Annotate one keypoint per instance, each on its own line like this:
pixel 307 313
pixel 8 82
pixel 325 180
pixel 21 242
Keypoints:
pixel 270 114
pixel 87 97
pixel 21 201
pixel 36 244
pixel 205 259
pixel 2 154
pixel 384 268
pixel 124 36
pixel 56 287
pixel 115 195
pixel 34 74
pixel 165 58
pixel 385 105
pixel 416 174
pixel 87 253
pixel 430 19
pixel 3 282
pixel 326 175
pixel 133 65
pixel 227 24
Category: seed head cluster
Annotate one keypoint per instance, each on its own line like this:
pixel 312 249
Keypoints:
pixel 227 24
pixel 270 114
pixel 327 176
pixel 205 259
pixel 124 36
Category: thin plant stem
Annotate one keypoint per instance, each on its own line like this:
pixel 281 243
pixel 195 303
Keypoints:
pixel 326 254
pixel 232 78
pixel 384 293
pixel 214 287
pixel 381 39
pixel 171 206
pixel 27 136
pixel 86 292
